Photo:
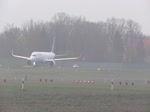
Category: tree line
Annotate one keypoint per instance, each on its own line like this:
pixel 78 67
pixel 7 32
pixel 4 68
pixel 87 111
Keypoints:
pixel 116 40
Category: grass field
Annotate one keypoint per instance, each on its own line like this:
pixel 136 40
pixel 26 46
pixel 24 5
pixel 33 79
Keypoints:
pixel 63 94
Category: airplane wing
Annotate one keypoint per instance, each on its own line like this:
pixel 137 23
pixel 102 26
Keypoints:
pixel 22 57
pixel 72 58
pixel 62 59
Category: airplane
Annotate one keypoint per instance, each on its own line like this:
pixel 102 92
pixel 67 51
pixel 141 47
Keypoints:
pixel 43 57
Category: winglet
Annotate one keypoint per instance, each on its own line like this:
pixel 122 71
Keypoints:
pixel 53 45
pixel 81 55
pixel 12 53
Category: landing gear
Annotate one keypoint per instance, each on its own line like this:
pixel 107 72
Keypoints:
pixel 34 64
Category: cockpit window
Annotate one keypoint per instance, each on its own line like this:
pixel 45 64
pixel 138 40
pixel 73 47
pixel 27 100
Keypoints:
pixel 33 55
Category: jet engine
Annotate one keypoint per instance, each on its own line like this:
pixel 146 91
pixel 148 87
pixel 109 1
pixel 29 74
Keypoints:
pixel 52 63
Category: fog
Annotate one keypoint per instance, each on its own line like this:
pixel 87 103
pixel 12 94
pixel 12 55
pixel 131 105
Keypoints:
pixel 18 12
pixel 74 55
pixel 104 30
pixel 116 40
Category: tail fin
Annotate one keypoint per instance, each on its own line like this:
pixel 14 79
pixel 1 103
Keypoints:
pixel 53 45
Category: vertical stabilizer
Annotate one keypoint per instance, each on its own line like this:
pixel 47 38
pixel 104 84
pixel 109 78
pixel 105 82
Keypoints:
pixel 53 45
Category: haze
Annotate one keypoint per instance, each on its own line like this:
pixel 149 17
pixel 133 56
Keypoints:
pixel 18 12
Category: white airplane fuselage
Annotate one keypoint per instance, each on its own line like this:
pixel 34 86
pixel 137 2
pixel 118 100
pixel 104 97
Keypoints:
pixel 39 57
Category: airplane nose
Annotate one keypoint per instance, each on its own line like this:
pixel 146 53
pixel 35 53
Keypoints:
pixel 32 58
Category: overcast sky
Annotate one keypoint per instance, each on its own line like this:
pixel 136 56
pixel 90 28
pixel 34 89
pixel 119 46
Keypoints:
pixel 18 12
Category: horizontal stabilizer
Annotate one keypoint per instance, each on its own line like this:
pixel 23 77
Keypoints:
pixel 61 55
